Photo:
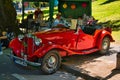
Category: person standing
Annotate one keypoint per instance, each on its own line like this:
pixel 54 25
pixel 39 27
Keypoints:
pixel 80 22
pixel 20 6
pixel 1 48
pixel 0 43
pixel 38 14
pixel 57 19
pixel 2 37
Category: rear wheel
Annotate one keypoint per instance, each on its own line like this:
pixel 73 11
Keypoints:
pixel 105 45
pixel 51 62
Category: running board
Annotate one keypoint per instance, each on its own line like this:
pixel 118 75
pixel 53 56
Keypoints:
pixel 82 52
pixel 90 50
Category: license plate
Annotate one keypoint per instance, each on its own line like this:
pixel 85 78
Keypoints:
pixel 23 63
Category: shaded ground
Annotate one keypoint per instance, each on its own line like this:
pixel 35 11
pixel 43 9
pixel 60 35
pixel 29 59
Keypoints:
pixel 11 71
pixel 95 65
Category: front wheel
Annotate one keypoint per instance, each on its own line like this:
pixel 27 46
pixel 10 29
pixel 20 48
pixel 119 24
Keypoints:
pixel 51 62
pixel 105 45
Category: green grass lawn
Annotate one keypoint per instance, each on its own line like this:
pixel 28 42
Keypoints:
pixel 107 11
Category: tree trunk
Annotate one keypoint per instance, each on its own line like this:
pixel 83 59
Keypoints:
pixel 8 16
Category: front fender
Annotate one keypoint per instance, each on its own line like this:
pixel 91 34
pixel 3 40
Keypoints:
pixel 46 48
pixel 16 46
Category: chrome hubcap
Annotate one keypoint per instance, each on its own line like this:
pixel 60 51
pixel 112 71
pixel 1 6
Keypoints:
pixel 51 61
pixel 105 44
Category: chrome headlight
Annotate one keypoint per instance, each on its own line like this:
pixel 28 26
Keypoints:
pixel 37 41
pixel 20 37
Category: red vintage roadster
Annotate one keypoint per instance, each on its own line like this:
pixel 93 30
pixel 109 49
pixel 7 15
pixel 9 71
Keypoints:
pixel 45 48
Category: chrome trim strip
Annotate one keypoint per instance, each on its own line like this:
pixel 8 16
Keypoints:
pixel 23 60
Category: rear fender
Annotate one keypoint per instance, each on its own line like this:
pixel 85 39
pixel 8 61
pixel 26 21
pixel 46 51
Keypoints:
pixel 103 34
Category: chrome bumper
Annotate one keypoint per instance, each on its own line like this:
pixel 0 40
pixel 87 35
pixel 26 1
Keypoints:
pixel 22 61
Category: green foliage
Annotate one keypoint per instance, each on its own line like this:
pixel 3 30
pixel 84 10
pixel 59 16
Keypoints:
pixel 10 13
pixel 8 16
pixel 36 4
pixel 17 0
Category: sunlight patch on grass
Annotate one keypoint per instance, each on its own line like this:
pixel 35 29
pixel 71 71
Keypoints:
pixel 116 35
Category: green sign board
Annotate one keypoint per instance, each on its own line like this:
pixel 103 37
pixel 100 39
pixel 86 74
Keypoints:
pixel 74 8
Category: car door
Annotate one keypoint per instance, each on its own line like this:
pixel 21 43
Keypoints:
pixel 84 41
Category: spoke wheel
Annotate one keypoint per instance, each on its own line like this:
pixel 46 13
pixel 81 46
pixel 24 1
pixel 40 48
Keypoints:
pixel 51 62
pixel 105 45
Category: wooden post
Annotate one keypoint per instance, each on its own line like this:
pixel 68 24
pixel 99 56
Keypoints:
pixel 23 8
pixel 51 10
pixel 118 61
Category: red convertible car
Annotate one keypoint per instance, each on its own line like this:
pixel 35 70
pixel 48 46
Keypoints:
pixel 46 48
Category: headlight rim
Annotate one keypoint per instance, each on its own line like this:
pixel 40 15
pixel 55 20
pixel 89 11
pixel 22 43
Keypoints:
pixel 20 37
pixel 37 41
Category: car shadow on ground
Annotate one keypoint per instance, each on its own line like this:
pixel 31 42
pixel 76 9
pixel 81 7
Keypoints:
pixel 85 58
pixel 79 60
